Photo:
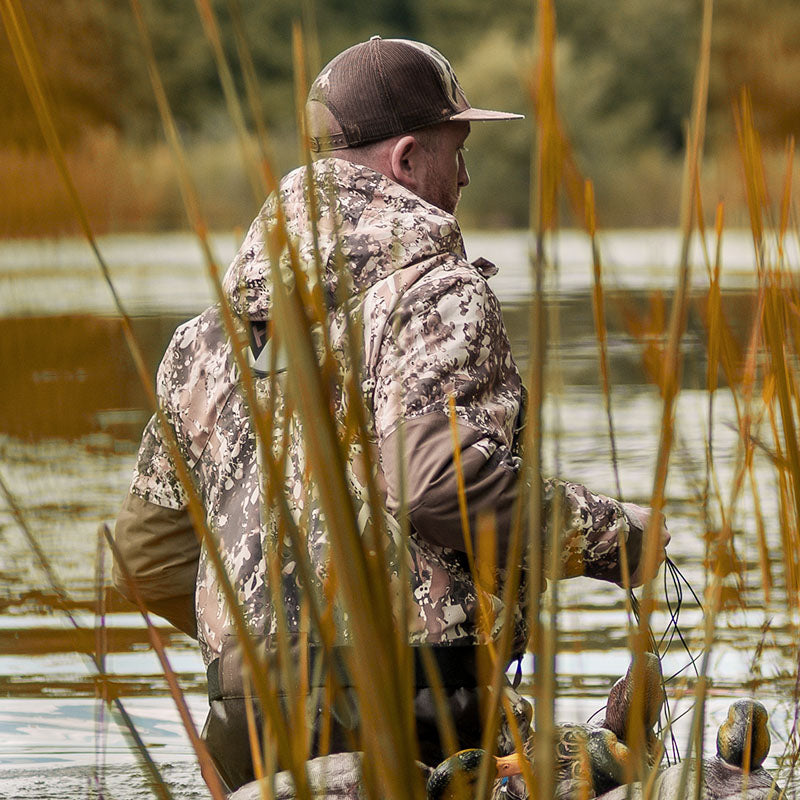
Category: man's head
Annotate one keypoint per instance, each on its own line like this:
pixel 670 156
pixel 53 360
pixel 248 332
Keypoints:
pixel 396 106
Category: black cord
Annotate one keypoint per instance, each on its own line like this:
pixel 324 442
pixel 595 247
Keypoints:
pixel 674 585
pixel 678 580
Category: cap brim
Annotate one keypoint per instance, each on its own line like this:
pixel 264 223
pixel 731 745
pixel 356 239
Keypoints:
pixel 475 114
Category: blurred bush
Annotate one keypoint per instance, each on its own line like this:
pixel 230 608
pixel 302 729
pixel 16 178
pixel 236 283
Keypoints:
pixel 624 74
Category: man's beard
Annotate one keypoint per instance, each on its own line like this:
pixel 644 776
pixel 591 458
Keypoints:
pixel 444 197
pixel 449 201
pixel 438 192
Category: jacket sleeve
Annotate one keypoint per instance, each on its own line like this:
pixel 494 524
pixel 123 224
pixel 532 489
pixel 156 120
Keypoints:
pixel 161 552
pixel 447 338
pixel 594 528
pixel 156 538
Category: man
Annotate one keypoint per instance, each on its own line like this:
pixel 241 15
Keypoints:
pixel 389 122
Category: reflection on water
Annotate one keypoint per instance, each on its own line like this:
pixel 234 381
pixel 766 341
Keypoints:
pixel 71 412
pixel 72 375
pixel 70 728
pixel 55 748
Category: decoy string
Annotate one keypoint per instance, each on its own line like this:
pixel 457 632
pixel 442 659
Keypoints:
pixel 675 584
pixel 674 604
pixel 654 648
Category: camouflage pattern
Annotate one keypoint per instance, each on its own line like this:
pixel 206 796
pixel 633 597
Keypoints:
pixel 431 327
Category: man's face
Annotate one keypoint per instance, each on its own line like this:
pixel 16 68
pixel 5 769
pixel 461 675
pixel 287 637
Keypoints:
pixel 445 173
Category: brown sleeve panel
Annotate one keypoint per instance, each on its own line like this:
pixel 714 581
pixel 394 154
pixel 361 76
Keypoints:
pixel 161 552
pixel 178 611
pixel 594 525
pixel 432 484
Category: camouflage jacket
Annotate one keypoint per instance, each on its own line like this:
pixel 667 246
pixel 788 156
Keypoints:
pixel 431 328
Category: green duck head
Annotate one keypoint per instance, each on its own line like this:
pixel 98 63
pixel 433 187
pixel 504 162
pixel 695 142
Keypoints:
pixel 743 739
pixel 590 756
pixel 611 762
pixel 455 777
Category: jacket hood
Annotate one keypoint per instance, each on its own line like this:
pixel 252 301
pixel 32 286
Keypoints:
pixel 378 225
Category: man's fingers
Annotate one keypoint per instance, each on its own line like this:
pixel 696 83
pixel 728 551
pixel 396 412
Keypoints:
pixel 640 516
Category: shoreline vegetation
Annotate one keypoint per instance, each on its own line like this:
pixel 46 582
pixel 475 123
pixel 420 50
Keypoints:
pixel 134 188
pixel 623 73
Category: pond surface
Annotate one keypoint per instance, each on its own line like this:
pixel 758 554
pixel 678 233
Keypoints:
pixel 71 412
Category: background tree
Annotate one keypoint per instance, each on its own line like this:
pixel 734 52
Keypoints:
pixel 624 75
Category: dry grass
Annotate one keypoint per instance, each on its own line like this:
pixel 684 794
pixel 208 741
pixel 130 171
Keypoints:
pixel 124 186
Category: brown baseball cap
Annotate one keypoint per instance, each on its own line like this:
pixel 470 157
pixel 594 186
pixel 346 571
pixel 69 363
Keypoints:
pixel 382 88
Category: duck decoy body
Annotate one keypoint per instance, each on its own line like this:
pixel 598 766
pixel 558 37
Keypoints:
pixel 338 776
pixel 735 771
pixel 590 759
pixel 335 776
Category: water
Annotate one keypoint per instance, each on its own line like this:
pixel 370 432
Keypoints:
pixel 71 412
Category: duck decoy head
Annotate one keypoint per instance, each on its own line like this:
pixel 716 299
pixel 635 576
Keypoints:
pixel 623 696
pixel 743 739
pixel 455 777
pixel 611 762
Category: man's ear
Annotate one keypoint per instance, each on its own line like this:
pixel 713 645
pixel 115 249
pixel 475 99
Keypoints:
pixel 406 160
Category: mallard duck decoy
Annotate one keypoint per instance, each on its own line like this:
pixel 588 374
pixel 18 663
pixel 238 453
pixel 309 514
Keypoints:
pixel 337 776
pixel 444 783
pixel 603 748
pixel 743 738
pixel 590 760
pixel 622 701
pixel 588 756
pixel 735 772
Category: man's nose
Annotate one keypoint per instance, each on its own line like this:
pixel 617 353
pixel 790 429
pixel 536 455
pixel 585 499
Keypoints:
pixel 463 175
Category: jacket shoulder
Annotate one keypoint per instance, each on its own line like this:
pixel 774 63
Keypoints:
pixel 193 344
pixel 451 280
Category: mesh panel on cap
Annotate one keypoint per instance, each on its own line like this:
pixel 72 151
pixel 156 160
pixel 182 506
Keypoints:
pixel 385 87
pixel 382 88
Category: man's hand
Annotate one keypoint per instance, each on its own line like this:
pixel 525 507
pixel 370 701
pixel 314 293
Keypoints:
pixel 640 516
